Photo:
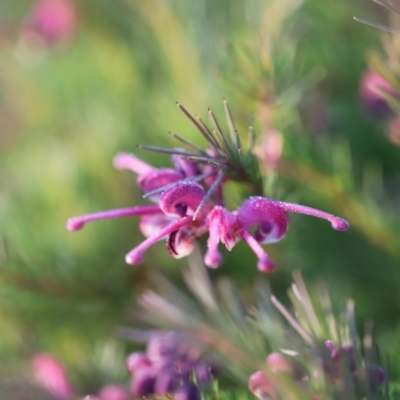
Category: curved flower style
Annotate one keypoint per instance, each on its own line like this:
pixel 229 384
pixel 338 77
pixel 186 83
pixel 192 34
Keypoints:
pixel 189 203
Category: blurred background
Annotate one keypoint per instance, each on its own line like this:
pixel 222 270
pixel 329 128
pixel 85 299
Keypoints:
pixel 82 80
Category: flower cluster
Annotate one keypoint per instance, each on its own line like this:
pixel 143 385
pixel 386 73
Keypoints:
pixel 189 203
pixel 169 366
pixel 339 367
pixel 51 375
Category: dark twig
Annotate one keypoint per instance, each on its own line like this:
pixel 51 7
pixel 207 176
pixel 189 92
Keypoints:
pixel 187 143
pixel 199 127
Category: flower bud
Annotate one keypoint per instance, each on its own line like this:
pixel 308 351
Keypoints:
pixel 372 89
pixel 113 392
pixel 142 383
pixel 345 356
pixel 368 379
pixel 53 20
pixel 165 382
pixel 50 374
pixel 282 364
pixel 137 361
pixel 261 386
pixel 203 373
pixel 331 347
pixel 269 151
pixel 162 346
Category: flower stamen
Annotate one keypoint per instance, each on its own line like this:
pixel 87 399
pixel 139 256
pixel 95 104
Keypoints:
pixel 135 256
pixel 265 264
pixel 217 183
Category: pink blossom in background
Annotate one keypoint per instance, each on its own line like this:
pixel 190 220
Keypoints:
pixel 113 392
pixel 53 20
pixel 261 386
pixel 269 151
pixel 169 366
pixel 338 366
pixel 51 375
pixel 372 99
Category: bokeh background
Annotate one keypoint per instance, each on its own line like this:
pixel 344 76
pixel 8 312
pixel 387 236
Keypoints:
pixel 99 76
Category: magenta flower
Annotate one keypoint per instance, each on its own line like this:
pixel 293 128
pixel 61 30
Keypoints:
pixel 169 365
pixel 261 386
pixel 53 20
pixel 178 217
pixel 51 375
pixel 189 203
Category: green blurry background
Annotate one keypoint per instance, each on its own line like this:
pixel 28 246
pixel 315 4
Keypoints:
pixel 65 111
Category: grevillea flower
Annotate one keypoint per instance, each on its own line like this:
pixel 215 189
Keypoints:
pixel 169 365
pixel 189 202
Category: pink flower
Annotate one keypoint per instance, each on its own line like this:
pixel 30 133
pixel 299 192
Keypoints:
pixel 261 386
pixel 190 204
pixel 269 151
pixel 50 374
pixel 53 20
pixel 113 392
pixel 168 365
pixel 372 93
